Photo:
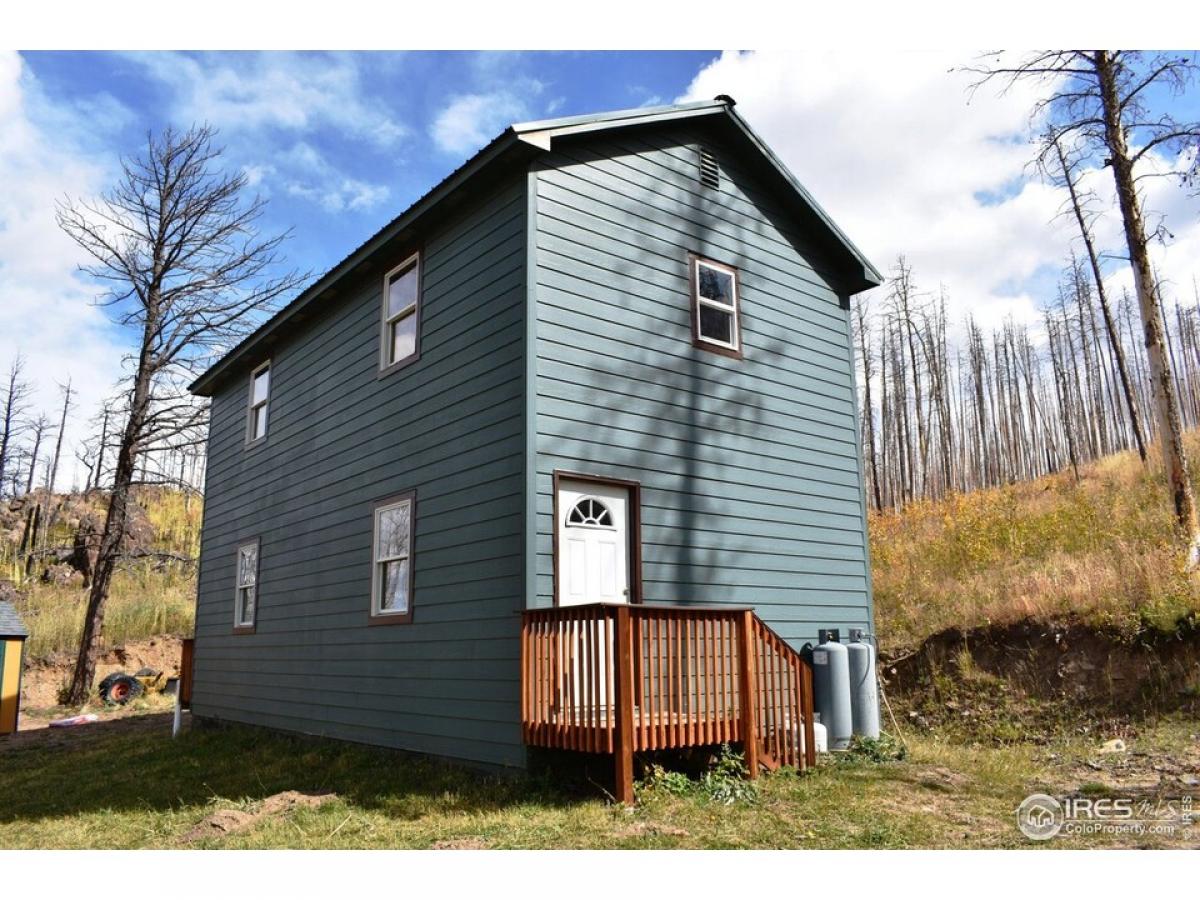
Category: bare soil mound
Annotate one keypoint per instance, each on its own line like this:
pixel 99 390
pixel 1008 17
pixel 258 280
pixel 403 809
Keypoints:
pixel 46 676
pixel 1031 670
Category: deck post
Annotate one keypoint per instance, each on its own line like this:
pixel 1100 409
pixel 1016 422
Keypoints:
pixel 806 702
pixel 748 680
pixel 623 743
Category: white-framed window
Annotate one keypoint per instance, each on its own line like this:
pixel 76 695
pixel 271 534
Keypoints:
pixel 245 601
pixel 715 306
pixel 392 579
pixel 401 313
pixel 260 396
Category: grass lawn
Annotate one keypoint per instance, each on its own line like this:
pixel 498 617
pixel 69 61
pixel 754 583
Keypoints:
pixel 124 783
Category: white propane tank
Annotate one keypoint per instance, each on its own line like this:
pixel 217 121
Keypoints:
pixel 864 690
pixel 820 738
pixel 831 688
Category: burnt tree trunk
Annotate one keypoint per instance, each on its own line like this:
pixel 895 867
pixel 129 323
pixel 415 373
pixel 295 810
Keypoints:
pixel 114 521
pixel 1165 400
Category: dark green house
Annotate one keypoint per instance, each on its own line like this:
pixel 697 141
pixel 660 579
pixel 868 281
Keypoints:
pixel 573 434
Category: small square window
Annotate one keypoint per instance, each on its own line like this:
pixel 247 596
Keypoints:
pixel 715 323
pixel 401 313
pixel 245 601
pixel 392 578
pixel 260 396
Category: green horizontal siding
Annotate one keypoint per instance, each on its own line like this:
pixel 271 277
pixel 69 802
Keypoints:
pixel 750 473
pixel 340 439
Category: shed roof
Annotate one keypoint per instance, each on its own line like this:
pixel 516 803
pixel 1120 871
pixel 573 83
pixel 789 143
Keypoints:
pixel 10 623
pixel 518 145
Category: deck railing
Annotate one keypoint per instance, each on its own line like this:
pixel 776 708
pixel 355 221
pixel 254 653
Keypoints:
pixel 621 679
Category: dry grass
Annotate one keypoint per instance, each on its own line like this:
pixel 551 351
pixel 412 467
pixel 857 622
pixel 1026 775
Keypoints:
pixel 143 602
pixel 149 595
pixel 1100 551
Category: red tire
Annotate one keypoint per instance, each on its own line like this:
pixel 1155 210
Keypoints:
pixel 120 689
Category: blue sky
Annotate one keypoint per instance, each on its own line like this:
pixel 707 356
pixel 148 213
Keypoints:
pixel 890 142
pixel 341 143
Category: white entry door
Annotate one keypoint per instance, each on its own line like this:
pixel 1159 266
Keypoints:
pixel 593 543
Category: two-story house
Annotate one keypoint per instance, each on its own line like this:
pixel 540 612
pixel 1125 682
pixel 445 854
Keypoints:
pixel 566 455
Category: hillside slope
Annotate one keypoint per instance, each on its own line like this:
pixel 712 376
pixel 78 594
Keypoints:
pixel 153 590
pixel 1097 552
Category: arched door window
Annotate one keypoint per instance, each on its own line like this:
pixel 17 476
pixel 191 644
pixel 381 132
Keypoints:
pixel 590 513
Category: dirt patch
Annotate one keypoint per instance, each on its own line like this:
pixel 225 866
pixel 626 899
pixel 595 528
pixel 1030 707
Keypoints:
pixel 123 720
pixel 471 843
pixel 230 821
pixel 942 779
pixel 45 676
pixel 1067 670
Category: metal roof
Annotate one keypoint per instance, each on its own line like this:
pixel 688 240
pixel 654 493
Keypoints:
pixel 10 623
pixel 519 144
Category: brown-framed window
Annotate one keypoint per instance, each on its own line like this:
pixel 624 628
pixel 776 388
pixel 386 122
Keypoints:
pixel 716 319
pixel 400 338
pixel 259 401
pixel 392 559
pixel 245 600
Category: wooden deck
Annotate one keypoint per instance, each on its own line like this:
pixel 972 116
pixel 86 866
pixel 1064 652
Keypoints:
pixel 624 679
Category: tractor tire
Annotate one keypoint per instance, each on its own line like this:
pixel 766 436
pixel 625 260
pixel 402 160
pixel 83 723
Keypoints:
pixel 120 689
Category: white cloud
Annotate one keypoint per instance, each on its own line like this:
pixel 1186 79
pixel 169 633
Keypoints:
pixel 46 309
pixel 262 102
pixel 286 91
pixel 308 174
pixel 471 120
pixel 891 147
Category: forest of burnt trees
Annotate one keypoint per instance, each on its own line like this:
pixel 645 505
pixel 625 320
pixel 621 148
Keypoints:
pixel 37 479
pixel 995 406
pixel 31 444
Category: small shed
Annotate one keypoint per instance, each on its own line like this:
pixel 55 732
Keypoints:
pixel 12 650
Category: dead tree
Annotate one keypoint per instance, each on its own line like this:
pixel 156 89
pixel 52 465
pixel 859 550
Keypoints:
pixel 1066 176
pixel 12 416
pixel 868 417
pixel 38 426
pixel 176 244
pixel 1095 98
pixel 52 474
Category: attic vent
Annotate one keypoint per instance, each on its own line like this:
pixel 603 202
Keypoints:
pixel 710 175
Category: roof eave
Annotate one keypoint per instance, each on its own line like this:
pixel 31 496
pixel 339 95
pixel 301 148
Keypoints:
pixel 870 276
pixel 505 142
pixel 860 274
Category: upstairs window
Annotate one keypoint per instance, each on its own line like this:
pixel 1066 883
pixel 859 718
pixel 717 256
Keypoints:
pixel 392 582
pixel 245 601
pixel 715 323
pixel 401 313
pixel 260 394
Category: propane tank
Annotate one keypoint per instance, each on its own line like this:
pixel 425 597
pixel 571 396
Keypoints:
pixel 831 687
pixel 820 739
pixel 864 692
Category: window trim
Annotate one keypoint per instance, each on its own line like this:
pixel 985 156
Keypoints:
pixel 251 440
pixel 377 616
pixel 238 626
pixel 386 366
pixel 734 349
